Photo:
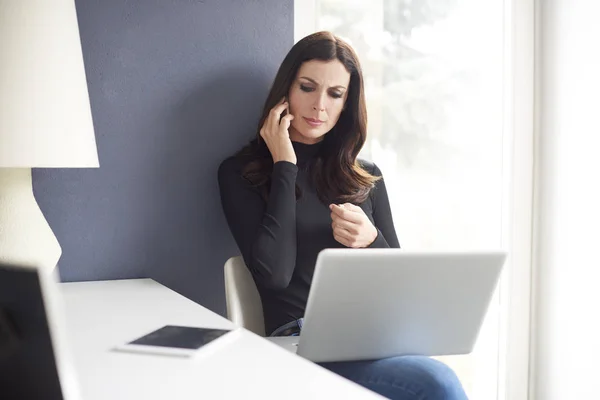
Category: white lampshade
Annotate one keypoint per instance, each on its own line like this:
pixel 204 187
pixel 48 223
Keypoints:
pixel 45 115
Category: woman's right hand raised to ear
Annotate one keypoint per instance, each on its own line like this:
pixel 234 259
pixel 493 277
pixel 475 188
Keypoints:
pixel 275 133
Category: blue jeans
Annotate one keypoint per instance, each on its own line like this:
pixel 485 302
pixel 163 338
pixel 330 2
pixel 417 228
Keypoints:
pixel 403 378
pixel 399 378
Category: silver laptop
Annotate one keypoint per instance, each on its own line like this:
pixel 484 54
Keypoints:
pixel 369 304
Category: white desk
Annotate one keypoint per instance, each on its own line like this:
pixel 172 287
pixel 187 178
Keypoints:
pixel 100 315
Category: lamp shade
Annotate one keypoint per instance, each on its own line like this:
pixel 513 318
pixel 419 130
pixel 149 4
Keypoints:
pixel 45 115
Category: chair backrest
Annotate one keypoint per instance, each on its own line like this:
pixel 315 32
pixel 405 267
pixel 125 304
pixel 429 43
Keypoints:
pixel 244 307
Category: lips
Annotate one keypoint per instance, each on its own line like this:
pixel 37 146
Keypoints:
pixel 313 121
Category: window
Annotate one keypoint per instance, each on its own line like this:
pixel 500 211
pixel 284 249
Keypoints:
pixel 440 85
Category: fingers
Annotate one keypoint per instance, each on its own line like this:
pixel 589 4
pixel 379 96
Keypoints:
pixel 278 109
pixel 342 239
pixel 351 207
pixel 285 123
pixel 275 134
pixel 345 212
pixel 350 227
pixel 274 117
pixel 347 239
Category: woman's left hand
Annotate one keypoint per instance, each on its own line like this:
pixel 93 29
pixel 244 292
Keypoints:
pixel 351 226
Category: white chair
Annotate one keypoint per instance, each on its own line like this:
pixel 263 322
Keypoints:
pixel 244 307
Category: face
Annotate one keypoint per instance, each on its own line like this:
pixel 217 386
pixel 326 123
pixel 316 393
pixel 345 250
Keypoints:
pixel 317 97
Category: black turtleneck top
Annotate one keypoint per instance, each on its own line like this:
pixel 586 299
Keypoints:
pixel 280 238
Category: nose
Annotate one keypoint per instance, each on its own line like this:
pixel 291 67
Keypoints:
pixel 319 104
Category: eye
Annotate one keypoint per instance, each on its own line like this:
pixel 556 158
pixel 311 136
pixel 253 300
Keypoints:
pixel 305 88
pixel 336 95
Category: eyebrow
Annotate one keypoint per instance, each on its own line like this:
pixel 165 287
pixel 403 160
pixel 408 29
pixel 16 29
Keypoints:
pixel 315 82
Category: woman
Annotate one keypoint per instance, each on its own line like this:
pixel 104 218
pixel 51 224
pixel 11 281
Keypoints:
pixel 298 188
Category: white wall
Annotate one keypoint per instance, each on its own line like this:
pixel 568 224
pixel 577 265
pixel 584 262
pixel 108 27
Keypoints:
pixel 567 278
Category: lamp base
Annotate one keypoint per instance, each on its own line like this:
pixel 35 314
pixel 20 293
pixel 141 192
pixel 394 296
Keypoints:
pixel 25 236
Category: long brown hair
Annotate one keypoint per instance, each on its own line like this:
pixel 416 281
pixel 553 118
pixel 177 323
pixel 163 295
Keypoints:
pixel 335 172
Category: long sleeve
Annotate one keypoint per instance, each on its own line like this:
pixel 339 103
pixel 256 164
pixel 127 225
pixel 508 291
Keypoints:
pixel 265 232
pixel 382 215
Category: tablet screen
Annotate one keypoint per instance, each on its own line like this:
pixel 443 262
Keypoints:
pixel 181 337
